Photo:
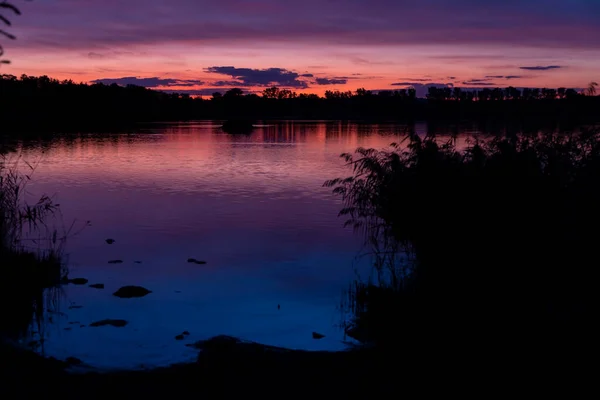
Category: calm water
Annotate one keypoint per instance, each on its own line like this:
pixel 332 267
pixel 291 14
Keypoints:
pixel 252 206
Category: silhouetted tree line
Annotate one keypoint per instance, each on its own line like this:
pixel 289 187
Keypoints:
pixel 43 103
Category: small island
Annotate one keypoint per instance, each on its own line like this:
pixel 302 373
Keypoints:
pixel 238 126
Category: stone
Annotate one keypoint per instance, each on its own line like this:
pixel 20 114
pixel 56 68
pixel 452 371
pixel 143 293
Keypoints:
pixel 117 323
pixel 127 292
pixel 97 286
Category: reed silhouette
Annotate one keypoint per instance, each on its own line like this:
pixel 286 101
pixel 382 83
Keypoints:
pixel 470 246
pixel 30 252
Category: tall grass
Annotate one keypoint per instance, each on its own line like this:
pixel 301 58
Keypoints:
pixel 30 251
pixel 500 235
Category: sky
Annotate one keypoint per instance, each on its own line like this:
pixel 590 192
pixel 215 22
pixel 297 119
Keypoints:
pixel 309 46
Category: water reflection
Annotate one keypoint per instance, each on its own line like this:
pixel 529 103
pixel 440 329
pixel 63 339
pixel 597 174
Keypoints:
pixel 252 206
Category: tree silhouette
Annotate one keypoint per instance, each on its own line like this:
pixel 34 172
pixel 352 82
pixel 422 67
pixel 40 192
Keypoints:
pixel 10 9
pixel 271 93
pixel 591 89
pixel 36 104
pixel 233 93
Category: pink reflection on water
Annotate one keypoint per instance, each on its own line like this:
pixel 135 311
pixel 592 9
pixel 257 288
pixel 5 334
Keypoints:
pixel 252 206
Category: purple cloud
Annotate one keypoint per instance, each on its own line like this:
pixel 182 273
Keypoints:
pixel 259 77
pixel 504 77
pixel 95 56
pixel 331 81
pixel 478 83
pixel 72 24
pixel 148 82
pixel 197 92
pixel 540 68
pixel 419 79
pixel 416 83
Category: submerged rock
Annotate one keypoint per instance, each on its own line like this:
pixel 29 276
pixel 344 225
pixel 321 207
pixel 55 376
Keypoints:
pixel 317 336
pixel 179 337
pixel 117 323
pixel 186 333
pixel 77 281
pixel 115 262
pixel 218 342
pixel 97 286
pixel 110 241
pixel 127 292
pixel 223 344
pixel 194 261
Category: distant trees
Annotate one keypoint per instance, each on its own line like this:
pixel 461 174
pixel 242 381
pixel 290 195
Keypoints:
pixel 44 103
pixel 509 93
pixel 280 94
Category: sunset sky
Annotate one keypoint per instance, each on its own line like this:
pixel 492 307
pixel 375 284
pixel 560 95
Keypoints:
pixel 200 46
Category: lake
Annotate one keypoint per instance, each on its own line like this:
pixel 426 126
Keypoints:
pixel 253 207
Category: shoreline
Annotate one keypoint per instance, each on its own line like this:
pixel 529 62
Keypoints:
pixel 223 359
pixel 228 366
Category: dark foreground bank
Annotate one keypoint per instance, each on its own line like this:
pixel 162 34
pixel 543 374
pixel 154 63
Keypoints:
pixel 227 367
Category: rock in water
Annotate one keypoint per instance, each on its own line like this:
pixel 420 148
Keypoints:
pixel 117 323
pixel 115 262
pixel 127 292
pixel 316 335
pixel 97 286
pixel 110 241
pixel 193 260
